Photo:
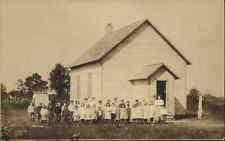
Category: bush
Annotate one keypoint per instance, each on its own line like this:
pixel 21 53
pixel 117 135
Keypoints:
pixel 213 107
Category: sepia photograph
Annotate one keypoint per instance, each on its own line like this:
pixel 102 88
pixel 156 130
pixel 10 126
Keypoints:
pixel 111 70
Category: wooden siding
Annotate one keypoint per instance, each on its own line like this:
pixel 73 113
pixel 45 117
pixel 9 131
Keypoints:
pixel 143 48
pixel 90 81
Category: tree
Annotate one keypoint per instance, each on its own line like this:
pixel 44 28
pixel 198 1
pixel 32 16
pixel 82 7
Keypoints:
pixel 35 83
pixel 3 88
pixel 3 91
pixel 60 82
pixel 21 88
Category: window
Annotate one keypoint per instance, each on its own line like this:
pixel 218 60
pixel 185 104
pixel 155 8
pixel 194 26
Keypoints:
pixel 89 84
pixel 78 86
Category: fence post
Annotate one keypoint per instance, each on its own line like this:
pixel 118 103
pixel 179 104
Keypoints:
pixel 200 107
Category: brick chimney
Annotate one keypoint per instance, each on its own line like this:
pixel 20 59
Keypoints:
pixel 108 28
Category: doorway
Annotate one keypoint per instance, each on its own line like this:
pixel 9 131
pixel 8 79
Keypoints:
pixel 161 90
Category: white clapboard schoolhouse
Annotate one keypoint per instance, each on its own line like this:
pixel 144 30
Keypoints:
pixel 134 62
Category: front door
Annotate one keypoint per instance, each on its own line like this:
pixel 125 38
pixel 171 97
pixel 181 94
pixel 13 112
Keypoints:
pixel 161 90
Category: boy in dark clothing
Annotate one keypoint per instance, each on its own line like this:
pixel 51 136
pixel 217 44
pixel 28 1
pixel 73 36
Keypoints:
pixel 58 112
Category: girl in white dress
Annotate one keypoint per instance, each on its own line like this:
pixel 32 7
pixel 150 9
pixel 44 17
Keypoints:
pixel 141 112
pixel 145 112
pixel 85 110
pixel 128 109
pixel 163 109
pixel 44 114
pixel 71 109
pixel 151 111
pixel 107 111
pixel 158 110
pixel 81 112
pixel 134 109
pixel 88 112
pixel 30 111
pixel 123 111
pixel 113 113
pixel 76 116
pixel 93 110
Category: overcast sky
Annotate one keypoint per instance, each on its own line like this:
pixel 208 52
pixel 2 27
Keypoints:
pixel 36 34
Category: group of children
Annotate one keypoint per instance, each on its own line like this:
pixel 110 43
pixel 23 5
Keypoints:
pixel 109 111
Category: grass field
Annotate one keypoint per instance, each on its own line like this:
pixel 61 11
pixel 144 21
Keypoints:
pixel 21 127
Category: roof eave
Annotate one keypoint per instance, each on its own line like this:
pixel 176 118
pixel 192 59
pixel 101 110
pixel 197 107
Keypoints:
pixel 168 42
pixel 83 64
pixel 163 66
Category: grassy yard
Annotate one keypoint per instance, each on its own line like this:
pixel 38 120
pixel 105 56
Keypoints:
pixel 21 127
pixel 127 132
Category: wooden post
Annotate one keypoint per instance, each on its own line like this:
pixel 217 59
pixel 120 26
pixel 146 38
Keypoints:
pixel 200 107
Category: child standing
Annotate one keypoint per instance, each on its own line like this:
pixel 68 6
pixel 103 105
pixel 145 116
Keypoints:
pixel 93 110
pixel 113 113
pixel 30 111
pixel 88 113
pixel 123 114
pixel 100 115
pixel 150 112
pixel 44 114
pixel 100 112
pixel 81 112
pixel 117 110
pixel 134 111
pixel 128 111
pixel 145 112
pixel 141 112
pixel 108 112
pixel 157 112
pixel 76 116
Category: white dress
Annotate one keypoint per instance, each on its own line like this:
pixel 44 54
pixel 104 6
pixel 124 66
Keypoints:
pixel 85 113
pixel 44 114
pixel 145 111
pixel 108 111
pixel 81 112
pixel 76 115
pixel 113 108
pixel 30 109
pixel 151 110
pixel 70 107
pixel 92 110
pixel 162 108
pixel 134 112
pixel 138 112
pixel 158 108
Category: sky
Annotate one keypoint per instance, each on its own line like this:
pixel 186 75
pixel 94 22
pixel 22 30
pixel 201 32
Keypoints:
pixel 37 34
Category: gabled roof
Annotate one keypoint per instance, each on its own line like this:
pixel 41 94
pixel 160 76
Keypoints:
pixel 102 47
pixel 149 70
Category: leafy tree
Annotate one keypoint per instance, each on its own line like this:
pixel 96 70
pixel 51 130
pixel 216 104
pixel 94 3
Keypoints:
pixel 21 88
pixel 3 91
pixel 60 82
pixel 21 93
pixel 36 83
pixel 3 88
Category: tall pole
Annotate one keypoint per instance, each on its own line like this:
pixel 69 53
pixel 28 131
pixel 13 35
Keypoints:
pixel 200 107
